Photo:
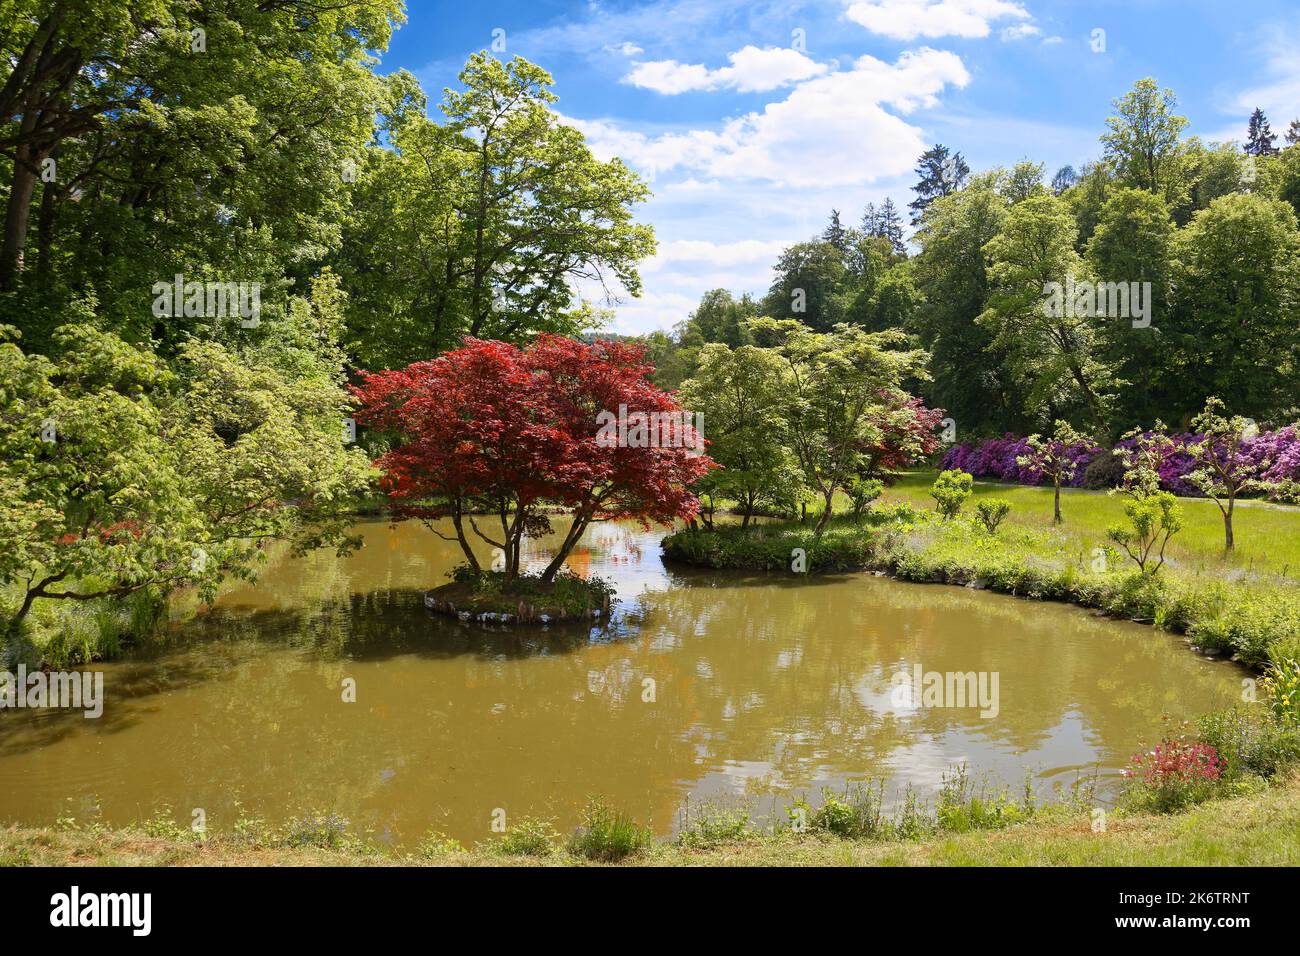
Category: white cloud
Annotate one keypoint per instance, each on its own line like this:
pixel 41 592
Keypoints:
pixel 625 48
pixel 1020 32
pixel 1277 96
pixel 715 254
pixel 752 70
pixel 909 19
pixel 830 130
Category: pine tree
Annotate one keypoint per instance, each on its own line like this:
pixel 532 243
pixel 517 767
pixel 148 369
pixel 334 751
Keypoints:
pixel 835 232
pixel 871 220
pixel 941 175
pixel 1293 132
pixel 1259 138
pixel 1065 178
pixel 891 226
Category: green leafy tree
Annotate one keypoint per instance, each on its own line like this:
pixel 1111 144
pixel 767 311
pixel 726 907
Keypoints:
pixel 1143 141
pixel 950 276
pixel 1152 521
pixel 1133 243
pixel 1232 330
pixel 808 281
pixel 208 140
pixel 126 476
pixel 741 394
pixel 1024 182
pixel 720 317
pixel 484 224
pixel 836 385
pixel 1052 458
pixel 1050 345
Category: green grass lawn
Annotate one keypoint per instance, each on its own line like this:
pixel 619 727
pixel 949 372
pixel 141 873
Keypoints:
pixel 1267 535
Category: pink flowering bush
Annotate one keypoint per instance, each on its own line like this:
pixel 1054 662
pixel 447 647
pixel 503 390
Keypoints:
pixel 1176 774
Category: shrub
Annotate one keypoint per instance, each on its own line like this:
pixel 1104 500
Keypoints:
pixel 437 844
pixel 991 511
pixel 1282 688
pixel 1249 741
pixel 1153 520
pixel 1104 472
pixel 950 491
pixel 327 831
pixel 854 813
pixel 863 491
pixel 1176 774
pixel 528 837
pixel 961 809
pixel 608 836
pixel 712 826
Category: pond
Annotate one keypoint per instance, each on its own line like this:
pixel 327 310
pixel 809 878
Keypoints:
pixel 702 686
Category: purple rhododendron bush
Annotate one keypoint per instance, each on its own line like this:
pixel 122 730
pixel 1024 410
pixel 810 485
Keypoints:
pixel 1275 456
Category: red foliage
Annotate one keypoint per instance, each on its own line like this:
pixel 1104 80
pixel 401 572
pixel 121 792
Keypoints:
pixel 492 421
pixel 1177 761
pixel 908 433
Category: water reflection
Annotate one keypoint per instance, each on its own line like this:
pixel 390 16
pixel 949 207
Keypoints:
pixel 704 684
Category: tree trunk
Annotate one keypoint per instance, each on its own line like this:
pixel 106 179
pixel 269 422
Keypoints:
pixel 17 213
pixel 1056 504
pixel 1227 525
pixel 826 514
pixel 456 521
pixel 576 529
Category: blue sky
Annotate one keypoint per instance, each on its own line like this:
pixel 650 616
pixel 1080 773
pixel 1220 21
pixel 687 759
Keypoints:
pixel 753 120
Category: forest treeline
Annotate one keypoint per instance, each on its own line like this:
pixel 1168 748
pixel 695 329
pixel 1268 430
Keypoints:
pixel 1203 235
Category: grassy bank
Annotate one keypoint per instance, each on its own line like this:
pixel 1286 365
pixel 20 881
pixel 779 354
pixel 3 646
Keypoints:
pixel 1260 829
pixel 1267 534
pixel 1246 612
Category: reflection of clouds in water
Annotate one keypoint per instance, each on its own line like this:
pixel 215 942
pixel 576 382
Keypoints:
pixel 623 554
pixel 875 691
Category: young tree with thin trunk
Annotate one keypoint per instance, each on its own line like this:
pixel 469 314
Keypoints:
pixel 1224 468
pixel 1055 458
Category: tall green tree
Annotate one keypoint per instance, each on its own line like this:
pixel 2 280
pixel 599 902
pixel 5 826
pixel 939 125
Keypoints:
pixel 720 317
pixel 970 378
pixel 1259 137
pixel 486 224
pixel 836 385
pixel 1050 346
pixel 1232 328
pixel 741 394
pixel 196 138
pixel 1133 243
pixel 940 173
pixel 1144 141
pixel 808 280
pixel 885 222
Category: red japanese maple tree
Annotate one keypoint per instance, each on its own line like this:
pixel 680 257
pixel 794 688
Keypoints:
pixel 907 432
pixel 491 427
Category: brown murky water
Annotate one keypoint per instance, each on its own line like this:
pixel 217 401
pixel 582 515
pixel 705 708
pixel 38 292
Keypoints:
pixel 762 687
